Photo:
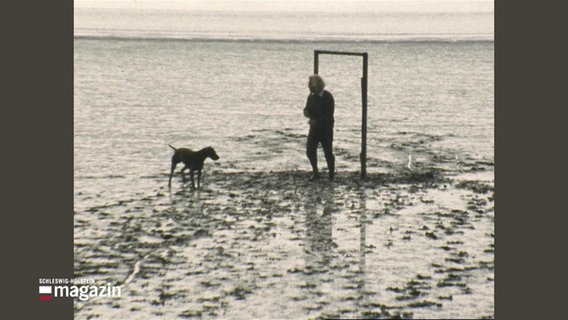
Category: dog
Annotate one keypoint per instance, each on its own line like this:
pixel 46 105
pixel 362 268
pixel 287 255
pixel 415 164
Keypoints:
pixel 193 160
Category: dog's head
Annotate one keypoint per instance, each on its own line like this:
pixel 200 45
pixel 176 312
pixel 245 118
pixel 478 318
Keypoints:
pixel 212 154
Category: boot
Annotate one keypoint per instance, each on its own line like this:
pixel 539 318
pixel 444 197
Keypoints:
pixel 331 168
pixel 315 176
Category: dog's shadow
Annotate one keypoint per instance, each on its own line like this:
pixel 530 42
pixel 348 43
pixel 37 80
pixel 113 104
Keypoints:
pixel 188 200
pixel 185 189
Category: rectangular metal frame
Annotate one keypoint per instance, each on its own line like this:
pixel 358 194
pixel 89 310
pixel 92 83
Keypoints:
pixel 363 154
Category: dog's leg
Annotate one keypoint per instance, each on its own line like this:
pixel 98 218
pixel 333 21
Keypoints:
pixel 198 178
pixel 183 173
pixel 171 173
pixel 192 181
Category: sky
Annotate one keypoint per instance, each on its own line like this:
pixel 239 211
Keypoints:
pixel 282 0
pixel 295 5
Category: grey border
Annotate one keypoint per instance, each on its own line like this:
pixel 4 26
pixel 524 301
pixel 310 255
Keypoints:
pixel 37 155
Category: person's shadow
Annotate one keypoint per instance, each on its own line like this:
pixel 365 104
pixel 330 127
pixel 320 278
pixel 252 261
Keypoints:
pixel 320 246
pixel 321 249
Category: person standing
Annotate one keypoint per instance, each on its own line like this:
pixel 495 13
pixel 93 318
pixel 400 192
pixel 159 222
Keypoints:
pixel 319 108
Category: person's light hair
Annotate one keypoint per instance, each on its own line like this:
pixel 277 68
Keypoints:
pixel 318 82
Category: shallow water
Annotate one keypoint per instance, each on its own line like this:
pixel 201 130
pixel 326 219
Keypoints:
pixel 431 101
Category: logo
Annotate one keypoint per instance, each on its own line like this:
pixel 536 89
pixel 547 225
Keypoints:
pixel 82 289
pixel 45 293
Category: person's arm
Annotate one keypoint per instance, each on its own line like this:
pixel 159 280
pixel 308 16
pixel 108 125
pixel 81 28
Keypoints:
pixel 332 105
pixel 329 108
pixel 306 108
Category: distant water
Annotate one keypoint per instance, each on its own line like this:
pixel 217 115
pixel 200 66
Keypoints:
pixel 297 20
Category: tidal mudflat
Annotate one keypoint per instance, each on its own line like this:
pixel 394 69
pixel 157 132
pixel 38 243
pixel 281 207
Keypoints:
pixel 266 245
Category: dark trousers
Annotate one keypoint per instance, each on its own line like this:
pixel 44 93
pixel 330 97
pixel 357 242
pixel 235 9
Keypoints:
pixel 325 137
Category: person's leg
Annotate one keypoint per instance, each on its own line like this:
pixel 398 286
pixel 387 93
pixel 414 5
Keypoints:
pixel 327 145
pixel 311 153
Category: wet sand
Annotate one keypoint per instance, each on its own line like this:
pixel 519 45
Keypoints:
pixel 271 245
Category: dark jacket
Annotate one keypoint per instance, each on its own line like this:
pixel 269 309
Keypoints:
pixel 320 111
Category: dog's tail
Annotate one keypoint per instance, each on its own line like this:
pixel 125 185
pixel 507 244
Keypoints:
pixel 172 147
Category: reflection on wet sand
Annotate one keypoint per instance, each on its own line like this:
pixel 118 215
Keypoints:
pixel 319 228
pixel 258 245
pixel 321 256
pixel 362 240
